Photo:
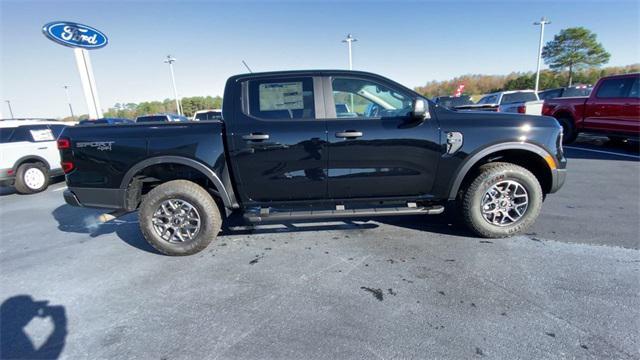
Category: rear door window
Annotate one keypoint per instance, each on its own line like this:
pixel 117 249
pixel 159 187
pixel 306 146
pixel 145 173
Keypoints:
pixel 635 89
pixel 615 88
pixel 284 98
pixel 32 133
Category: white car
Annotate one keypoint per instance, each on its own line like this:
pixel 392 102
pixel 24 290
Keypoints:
pixel 29 154
pixel 212 114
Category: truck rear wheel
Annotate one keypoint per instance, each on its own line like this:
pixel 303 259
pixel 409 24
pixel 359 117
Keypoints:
pixel 179 218
pixel 568 130
pixel 503 200
pixel 31 178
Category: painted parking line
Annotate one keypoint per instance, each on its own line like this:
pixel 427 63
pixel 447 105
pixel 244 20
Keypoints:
pixel 603 152
pixel 60 189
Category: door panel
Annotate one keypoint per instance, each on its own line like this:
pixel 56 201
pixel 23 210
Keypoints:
pixel 375 148
pixel 612 107
pixel 278 146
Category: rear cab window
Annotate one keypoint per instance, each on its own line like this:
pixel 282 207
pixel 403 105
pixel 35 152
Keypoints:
pixel 209 115
pixel 154 118
pixel 281 98
pixel 518 97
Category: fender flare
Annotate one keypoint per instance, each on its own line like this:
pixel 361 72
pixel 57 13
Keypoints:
pixel 20 161
pixel 463 169
pixel 196 165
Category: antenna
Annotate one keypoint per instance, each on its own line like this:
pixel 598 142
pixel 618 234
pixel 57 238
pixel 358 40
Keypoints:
pixel 247 66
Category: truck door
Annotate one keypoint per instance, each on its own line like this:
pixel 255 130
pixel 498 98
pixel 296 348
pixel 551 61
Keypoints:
pixel 375 148
pixel 278 142
pixel 609 108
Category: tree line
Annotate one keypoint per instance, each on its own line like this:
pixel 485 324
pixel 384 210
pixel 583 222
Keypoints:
pixel 482 84
pixel 132 110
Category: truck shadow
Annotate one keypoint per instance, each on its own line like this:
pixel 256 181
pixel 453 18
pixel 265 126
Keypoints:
pixel 86 221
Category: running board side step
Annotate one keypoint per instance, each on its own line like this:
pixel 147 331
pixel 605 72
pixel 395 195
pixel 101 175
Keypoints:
pixel 266 216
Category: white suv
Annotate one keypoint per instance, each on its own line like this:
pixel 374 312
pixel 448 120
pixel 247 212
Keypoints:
pixel 28 153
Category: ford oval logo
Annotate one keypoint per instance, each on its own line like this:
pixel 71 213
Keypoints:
pixel 75 35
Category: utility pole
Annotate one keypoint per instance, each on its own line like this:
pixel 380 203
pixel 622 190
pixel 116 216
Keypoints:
pixel 66 91
pixel 10 111
pixel 350 39
pixel 170 60
pixel 543 21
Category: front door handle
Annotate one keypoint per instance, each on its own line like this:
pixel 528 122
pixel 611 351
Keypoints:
pixel 349 134
pixel 256 137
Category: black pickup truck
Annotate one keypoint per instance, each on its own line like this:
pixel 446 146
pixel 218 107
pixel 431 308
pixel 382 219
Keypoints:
pixel 285 152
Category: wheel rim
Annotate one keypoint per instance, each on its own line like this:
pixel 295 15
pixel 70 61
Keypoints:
pixel 34 178
pixel 176 221
pixel 504 203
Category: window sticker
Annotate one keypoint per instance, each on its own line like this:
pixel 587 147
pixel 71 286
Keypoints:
pixel 281 96
pixel 42 135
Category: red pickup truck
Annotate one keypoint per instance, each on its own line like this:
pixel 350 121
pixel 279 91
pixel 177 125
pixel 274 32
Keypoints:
pixel 612 109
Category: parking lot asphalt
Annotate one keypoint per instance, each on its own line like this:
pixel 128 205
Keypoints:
pixel 413 287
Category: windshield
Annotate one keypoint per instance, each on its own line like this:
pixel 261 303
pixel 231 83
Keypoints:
pixel 518 97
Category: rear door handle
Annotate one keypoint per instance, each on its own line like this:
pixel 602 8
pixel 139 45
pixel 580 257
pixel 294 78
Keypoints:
pixel 349 134
pixel 256 137
pixel 43 148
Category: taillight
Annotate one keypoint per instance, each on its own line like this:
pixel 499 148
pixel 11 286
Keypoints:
pixel 522 109
pixel 67 166
pixel 547 109
pixel 64 143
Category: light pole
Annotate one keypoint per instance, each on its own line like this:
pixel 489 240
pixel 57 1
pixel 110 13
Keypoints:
pixel 66 91
pixel 9 105
pixel 543 21
pixel 350 39
pixel 170 60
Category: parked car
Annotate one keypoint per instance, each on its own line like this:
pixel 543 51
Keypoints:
pixel 161 118
pixel 213 114
pixel 106 121
pixel 28 153
pixel 570 91
pixel 612 109
pixel 517 101
pixel 283 154
pixel 453 101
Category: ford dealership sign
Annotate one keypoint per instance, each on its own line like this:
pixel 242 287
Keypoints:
pixel 75 35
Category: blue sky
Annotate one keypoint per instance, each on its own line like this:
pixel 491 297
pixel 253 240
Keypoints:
pixel 410 42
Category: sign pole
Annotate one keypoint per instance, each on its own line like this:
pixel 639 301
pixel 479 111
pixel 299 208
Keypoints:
pixel 83 62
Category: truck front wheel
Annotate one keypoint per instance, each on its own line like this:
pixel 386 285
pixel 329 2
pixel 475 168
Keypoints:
pixel 179 218
pixel 503 200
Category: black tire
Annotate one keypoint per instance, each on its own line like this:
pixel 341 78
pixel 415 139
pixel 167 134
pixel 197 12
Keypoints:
pixel 488 176
pixel 568 130
pixel 192 193
pixel 26 186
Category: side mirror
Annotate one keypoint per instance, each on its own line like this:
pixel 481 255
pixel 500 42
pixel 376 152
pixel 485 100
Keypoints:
pixel 420 110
